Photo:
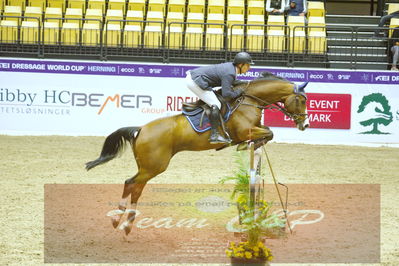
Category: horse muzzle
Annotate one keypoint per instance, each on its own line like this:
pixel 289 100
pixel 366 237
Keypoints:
pixel 303 125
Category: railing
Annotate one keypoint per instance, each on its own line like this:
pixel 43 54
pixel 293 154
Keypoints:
pixel 184 42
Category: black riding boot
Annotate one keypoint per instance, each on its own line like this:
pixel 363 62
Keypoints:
pixel 215 137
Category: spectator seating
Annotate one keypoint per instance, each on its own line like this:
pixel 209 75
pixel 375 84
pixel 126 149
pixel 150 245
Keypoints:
pixel 174 36
pixel 53 14
pixel 215 30
pixel 70 33
pixel 276 22
pixel 316 9
pixel 136 16
pixel 196 6
pixel 81 4
pixel 114 16
pixel 37 3
pixel 112 34
pixel 317 39
pixel 117 5
pixel 178 6
pixel 235 22
pixel 20 3
pixel 2 4
pixel 255 40
pixel 138 5
pixel 132 36
pixel 93 14
pixel 393 7
pixel 216 7
pixel 317 43
pixel 91 34
pixel 30 32
pixel 14 12
pixel 157 6
pixel 57 4
pixel 174 27
pixel 9 31
pixel 153 36
pixel 51 32
pixel 256 7
pixel 196 24
pixel 33 13
pixel 74 15
pixel 97 4
pixel 317 23
pixel 296 25
pixel 276 41
pixel 236 7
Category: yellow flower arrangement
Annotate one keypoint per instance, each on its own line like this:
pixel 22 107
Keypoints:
pixel 248 251
pixel 254 220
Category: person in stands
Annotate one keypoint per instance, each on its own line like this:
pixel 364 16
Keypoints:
pixel 384 20
pixel 275 7
pixel 394 45
pixel 297 7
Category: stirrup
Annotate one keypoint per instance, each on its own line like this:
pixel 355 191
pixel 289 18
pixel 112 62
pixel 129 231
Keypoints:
pixel 218 139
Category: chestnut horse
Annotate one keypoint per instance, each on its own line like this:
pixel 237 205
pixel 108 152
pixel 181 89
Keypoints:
pixel 155 143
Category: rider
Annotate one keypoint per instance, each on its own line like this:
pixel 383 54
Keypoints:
pixel 202 80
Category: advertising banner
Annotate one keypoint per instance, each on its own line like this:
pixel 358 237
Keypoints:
pixel 46 97
pixel 325 110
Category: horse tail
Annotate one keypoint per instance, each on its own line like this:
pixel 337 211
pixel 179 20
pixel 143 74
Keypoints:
pixel 113 145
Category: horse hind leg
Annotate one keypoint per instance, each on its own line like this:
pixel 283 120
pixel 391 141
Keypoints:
pixel 116 215
pixel 148 168
pixel 136 189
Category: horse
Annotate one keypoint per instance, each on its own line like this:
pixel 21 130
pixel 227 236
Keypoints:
pixel 155 143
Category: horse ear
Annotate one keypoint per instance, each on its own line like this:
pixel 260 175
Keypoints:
pixel 301 87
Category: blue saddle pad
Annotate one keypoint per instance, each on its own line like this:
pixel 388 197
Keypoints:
pixel 194 118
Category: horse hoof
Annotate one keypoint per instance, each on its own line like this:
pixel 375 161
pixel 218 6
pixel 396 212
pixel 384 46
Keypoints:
pixel 116 216
pixel 126 226
pixel 115 221
pixel 242 146
pixel 127 230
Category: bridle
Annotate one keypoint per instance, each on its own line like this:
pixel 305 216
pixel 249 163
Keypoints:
pixel 273 106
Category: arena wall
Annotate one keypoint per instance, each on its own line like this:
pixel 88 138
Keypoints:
pixel 46 97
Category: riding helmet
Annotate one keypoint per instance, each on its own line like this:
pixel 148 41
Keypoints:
pixel 243 58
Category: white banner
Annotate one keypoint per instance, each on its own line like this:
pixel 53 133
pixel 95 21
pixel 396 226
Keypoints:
pixel 35 100
pixel 84 105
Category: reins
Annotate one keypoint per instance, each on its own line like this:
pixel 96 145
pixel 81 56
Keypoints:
pixel 266 105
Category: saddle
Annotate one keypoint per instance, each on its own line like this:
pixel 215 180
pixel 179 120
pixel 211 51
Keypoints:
pixel 198 113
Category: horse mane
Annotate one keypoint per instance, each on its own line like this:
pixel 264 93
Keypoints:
pixel 270 76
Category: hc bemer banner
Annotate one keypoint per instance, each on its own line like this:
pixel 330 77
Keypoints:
pixel 94 98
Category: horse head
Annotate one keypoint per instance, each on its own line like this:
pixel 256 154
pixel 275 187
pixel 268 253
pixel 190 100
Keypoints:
pixel 295 106
pixel 268 90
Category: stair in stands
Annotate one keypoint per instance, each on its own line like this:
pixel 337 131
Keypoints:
pixel 346 48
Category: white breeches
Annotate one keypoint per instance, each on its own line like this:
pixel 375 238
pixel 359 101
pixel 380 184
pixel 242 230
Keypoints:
pixel 207 96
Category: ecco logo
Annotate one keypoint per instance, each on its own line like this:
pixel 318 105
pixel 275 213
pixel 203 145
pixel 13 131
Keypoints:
pixel 316 76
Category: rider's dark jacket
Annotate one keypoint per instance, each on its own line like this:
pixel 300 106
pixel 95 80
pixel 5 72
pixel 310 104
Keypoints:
pixel 208 77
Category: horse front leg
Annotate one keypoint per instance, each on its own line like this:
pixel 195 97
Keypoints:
pixel 259 134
